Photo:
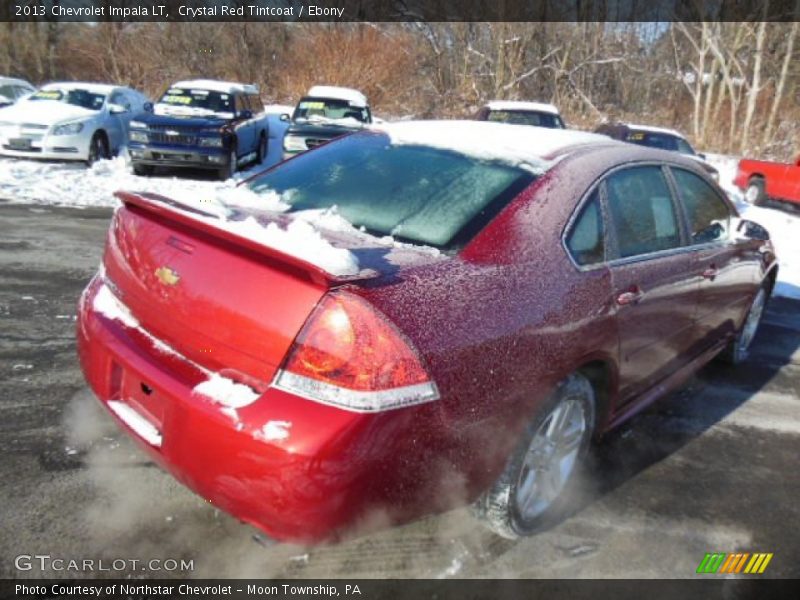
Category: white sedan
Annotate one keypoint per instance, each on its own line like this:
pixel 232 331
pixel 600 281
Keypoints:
pixel 70 121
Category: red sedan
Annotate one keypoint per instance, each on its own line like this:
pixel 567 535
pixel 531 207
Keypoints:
pixel 302 370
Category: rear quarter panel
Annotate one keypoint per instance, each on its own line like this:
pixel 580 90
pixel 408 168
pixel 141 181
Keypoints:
pixel 502 324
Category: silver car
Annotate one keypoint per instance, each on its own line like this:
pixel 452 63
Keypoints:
pixel 70 121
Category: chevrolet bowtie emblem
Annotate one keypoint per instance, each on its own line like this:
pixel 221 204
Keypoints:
pixel 167 276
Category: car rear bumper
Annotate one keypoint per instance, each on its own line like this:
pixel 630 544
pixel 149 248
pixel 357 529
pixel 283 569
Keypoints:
pixel 299 470
pixel 196 158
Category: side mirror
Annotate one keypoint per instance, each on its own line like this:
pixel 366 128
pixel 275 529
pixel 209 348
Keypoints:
pixel 752 230
pixel 285 118
pixel 117 109
pixel 148 107
pixel 245 114
pixel 797 162
pixel 702 155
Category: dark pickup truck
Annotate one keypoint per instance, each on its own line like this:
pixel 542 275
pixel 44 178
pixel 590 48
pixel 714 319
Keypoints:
pixel 323 114
pixel 201 124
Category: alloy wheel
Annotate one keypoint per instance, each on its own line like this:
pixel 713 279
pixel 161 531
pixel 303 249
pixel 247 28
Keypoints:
pixel 551 458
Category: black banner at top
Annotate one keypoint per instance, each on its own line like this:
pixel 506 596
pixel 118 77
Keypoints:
pixel 398 10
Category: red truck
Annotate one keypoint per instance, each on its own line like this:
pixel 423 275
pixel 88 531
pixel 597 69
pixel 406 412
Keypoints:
pixel 761 180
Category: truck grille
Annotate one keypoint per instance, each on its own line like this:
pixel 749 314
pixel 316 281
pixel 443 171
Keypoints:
pixel 158 137
pixel 176 136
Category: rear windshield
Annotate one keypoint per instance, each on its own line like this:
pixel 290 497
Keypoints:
pixel 329 109
pixel 664 141
pixel 414 193
pixel 526 117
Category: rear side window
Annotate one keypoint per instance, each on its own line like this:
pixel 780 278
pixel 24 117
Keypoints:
pixel 640 207
pixel 709 216
pixel 586 240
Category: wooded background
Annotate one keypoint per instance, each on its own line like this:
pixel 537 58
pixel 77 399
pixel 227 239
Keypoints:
pixel 731 87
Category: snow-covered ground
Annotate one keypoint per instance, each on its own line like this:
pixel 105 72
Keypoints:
pixel 70 184
pixel 782 224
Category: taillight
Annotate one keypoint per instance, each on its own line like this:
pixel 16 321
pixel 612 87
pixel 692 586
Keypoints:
pixel 349 355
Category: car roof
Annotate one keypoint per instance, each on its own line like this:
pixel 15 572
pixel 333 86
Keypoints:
pixel 96 88
pixel 214 85
pixel 352 96
pixel 651 129
pixel 487 140
pixel 522 105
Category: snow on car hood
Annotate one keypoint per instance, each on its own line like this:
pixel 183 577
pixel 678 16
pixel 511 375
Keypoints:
pixel 44 112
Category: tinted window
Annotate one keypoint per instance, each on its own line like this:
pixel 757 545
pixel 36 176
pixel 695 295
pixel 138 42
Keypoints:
pixel 709 217
pixel 585 241
pixel 685 148
pixel 640 206
pixel 520 117
pixel 417 193
pixel 663 141
pixel 121 99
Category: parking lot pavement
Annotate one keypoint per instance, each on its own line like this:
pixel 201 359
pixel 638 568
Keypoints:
pixel 711 469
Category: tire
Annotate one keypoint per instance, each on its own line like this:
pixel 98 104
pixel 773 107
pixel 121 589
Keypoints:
pixel 262 149
pixel 142 170
pixel 738 350
pixel 755 193
pixel 98 149
pixel 524 498
pixel 229 170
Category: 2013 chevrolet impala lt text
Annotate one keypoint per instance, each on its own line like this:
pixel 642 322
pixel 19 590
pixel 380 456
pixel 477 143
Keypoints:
pixel 415 317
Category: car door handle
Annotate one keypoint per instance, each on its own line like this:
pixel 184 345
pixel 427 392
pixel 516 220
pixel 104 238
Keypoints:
pixel 632 296
pixel 711 272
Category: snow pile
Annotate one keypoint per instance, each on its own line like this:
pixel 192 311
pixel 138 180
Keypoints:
pixel 327 218
pixel 274 431
pixel 517 145
pixel 301 240
pixel 67 184
pixel 244 197
pixel 136 422
pixel 278 109
pixel 107 305
pixel 784 231
pixel 783 227
pixel 226 392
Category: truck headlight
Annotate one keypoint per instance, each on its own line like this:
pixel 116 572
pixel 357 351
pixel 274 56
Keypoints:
pixel 139 136
pixel 293 143
pixel 210 142
pixel 68 129
pixel 138 125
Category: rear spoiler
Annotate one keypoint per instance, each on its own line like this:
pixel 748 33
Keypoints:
pixel 180 213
